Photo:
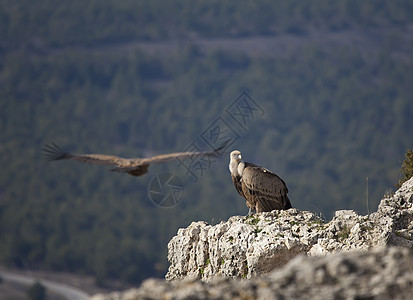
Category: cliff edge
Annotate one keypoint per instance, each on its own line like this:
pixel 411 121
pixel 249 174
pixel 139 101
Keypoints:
pixel 292 254
pixel 244 247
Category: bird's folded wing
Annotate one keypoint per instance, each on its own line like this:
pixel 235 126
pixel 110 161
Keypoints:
pixel 263 182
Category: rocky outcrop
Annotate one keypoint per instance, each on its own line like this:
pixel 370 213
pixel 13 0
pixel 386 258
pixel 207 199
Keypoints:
pixel 382 273
pixel 350 257
pixel 244 247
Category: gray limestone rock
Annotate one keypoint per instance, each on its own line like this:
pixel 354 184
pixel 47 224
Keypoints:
pixel 381 273
pixel 292 254
pixel 243 247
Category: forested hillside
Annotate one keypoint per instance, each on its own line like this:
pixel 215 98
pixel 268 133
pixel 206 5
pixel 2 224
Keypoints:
pixel 331 81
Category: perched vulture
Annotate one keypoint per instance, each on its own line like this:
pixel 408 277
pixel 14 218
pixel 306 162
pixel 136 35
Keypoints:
pixel 132 166
pixel 263 190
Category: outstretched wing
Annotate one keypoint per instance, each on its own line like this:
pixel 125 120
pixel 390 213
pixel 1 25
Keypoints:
pixel 136 169
pixel 53 152
pixel 163 158
pixel 269 190
pixel 133 166
pixel 178 156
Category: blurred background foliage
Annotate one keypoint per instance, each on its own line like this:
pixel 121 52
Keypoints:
pixel 137 78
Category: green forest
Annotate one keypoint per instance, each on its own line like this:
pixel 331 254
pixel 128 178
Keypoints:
pixel 330 84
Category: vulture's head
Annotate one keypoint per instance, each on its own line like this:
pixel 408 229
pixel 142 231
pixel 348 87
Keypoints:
pixel 234 160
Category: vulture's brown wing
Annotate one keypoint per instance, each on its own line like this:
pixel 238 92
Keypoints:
pixel 263 181
pixel 53 152
pixel 163 158
pixel 237 183
pixel 176 156
pixel 269 189
pixel 133 166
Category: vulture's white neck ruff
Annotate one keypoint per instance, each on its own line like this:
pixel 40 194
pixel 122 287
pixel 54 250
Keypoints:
pixel 235 163
pixel 240 168
pixel 233 167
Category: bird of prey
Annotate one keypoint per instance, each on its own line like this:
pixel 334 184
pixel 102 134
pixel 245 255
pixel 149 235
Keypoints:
pixel 132 166
pixel 263 190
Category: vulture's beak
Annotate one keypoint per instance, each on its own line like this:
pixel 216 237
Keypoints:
pixel 239 157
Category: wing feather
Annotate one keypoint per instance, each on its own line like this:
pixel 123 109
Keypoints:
pixel 163 158
pixel 175 156
pixel 263 181
pixel 54 152
pixel 237 183
pixel 133 166
pixel 268 190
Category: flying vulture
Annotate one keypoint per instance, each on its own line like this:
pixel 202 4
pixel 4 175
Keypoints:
pixel 263 190
pixel 132 166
